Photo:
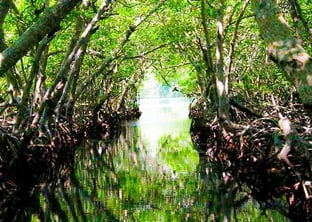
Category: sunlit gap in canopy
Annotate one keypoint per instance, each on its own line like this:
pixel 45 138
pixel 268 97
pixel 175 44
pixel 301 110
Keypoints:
pixel 164 112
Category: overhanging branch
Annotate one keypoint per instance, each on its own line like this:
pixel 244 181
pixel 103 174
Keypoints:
pixel 46 24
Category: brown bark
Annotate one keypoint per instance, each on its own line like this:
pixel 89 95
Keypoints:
pixel 284 49
pixel 58 92
pixel 26 97
pixel 48 23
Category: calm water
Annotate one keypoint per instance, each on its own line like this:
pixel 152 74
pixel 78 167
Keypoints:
pixel 151 173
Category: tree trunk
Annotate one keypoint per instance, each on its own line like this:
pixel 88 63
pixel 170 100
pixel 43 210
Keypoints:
pixel 46 25
pixel 221 78
pixel 285 49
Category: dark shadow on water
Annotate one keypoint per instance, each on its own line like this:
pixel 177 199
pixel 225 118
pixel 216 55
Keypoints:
pixel 119 181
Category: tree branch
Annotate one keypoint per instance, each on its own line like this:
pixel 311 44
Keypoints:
pixel 284 49
pixel 46 24
pixel 207 52
pixel 143 54
pixel 117 53
pixel 221 78
pixel 234 38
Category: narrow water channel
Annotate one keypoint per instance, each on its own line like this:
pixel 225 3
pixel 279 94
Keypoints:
pixel 150 173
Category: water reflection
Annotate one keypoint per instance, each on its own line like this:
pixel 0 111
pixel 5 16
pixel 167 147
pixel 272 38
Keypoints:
pixel 125 180
pixel 162 116
pixel 120 182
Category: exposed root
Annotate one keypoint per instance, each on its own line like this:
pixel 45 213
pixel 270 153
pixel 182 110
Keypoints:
pixel 44 156
pixel 271 156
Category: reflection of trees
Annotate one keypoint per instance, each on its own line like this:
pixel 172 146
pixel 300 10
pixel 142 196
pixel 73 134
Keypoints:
pixel 118 181
pixel 78 198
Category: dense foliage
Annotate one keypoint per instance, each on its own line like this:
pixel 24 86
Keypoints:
pixel 70 69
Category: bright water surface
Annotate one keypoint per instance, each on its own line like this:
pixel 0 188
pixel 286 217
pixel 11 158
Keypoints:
pixel 151 173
